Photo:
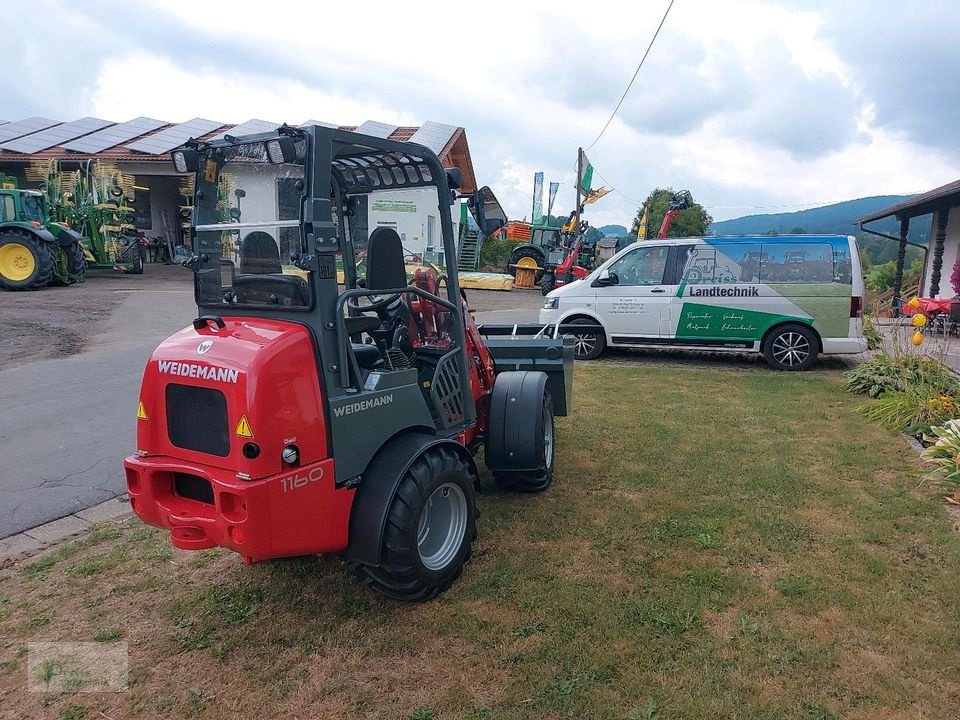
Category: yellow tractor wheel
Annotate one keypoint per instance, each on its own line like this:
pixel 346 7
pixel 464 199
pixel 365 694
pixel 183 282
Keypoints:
pixel 25 261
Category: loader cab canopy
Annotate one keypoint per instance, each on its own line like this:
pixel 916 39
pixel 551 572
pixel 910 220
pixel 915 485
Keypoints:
pixel 247 222
pixel 261 217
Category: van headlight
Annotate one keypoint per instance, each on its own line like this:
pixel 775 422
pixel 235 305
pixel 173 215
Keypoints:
pixel 551 303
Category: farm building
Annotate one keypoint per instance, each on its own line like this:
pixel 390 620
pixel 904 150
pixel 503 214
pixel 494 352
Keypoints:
pixel 142 147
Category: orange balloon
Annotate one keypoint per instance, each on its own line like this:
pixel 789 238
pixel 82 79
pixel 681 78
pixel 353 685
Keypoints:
pixel 917 338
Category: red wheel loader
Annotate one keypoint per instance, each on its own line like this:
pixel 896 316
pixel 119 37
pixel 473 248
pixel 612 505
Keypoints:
pixel 295 416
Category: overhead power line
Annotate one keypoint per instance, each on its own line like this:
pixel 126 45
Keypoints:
pixel 637 72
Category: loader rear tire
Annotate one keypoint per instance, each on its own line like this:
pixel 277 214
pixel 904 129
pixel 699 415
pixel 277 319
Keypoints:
pixel 430 529
pixel 26 262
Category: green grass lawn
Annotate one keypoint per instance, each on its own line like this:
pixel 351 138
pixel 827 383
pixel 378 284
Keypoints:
pixel 719 543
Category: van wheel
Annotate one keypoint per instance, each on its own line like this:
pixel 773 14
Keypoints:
pixel 790 347
pixel 587 344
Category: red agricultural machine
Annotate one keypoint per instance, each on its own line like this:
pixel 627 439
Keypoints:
pixel 295 416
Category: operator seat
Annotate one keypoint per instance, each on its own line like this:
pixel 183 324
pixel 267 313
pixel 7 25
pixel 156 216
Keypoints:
pixel 385 267
pixel 259 254
pixel 385 271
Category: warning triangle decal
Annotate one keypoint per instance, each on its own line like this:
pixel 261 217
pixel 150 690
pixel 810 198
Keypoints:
pixel 243 428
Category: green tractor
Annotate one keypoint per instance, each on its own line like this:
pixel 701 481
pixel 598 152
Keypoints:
pixel 36 249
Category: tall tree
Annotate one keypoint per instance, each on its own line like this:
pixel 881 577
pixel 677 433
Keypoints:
pixel 691 222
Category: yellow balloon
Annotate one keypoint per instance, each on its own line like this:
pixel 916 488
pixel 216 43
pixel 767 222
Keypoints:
pixel 914 303
pixel 917 338
pixel 919 320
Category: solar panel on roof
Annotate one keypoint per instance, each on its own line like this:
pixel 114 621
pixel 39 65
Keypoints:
pixel 55 135
pixel 250 127
pixel 433 135
pixel 25 127
pixel 172 137
pixel 111 136
pixel 321 123
pixel 376 129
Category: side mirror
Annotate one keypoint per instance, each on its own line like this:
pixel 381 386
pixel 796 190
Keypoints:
pixel 607 278
pixel 454 178
pixel 235 213
pixel 487 211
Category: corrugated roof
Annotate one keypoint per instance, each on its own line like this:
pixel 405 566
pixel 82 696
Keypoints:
pixel 921 204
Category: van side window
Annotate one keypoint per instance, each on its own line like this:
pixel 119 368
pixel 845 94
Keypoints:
pixel 643 266
pixel 8 209
pixel 699 264
pixel 797 262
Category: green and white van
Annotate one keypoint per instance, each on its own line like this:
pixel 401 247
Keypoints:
pixel 790 297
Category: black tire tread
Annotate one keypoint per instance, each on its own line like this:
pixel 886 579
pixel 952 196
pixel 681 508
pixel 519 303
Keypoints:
pixel 531 482
pixel 396 576
pixel 530 252
pixel 601 339
pixel 42 254
pixel 791 327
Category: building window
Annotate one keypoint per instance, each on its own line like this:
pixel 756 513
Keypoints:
pixel 431 231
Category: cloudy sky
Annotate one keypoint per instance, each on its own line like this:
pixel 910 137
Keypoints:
pixel 752 106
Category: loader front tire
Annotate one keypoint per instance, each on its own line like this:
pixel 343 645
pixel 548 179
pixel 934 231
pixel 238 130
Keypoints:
pixel 430 528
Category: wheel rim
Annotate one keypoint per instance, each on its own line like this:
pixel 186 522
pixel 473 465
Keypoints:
pixel 547 437
pixel 584 344
pixel 442 526
pixel 791 349
pixel 16 262
pixel 527 262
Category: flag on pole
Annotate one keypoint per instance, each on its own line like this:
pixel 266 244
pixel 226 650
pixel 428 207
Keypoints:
pixel 585 181
pixel 642 226
pixel 537 215
pixel 554 186
pixel 595 195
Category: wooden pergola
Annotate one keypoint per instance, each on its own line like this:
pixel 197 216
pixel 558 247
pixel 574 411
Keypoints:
pixel 936 202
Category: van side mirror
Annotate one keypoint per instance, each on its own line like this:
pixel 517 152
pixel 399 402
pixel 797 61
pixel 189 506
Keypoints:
pixel 607 278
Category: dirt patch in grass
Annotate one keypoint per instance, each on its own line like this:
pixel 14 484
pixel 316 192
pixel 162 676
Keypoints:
pixel 751 549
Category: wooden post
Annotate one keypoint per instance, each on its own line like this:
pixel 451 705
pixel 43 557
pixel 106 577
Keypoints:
pixel 939 238
pixel 898 276
pixel 576 224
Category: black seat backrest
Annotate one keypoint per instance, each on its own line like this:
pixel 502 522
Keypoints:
pixel 385 268
pixel 259 254
pixel 955 311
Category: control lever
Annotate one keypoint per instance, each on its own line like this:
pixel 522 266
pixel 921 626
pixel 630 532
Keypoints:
pixel 195 261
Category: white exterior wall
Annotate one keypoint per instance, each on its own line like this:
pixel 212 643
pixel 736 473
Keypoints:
pixel 951 250
pixel 409 212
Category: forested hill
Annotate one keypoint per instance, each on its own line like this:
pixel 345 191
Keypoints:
pixel 840 218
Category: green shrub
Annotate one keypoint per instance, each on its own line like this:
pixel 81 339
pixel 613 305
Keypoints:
pixel 495 254
pixel 871 334
pixel 882 374
pixel 944 454
pixel 915 409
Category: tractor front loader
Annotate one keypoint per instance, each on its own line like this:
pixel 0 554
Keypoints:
pixel 295 416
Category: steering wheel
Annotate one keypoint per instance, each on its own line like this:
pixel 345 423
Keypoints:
pixel 375 305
